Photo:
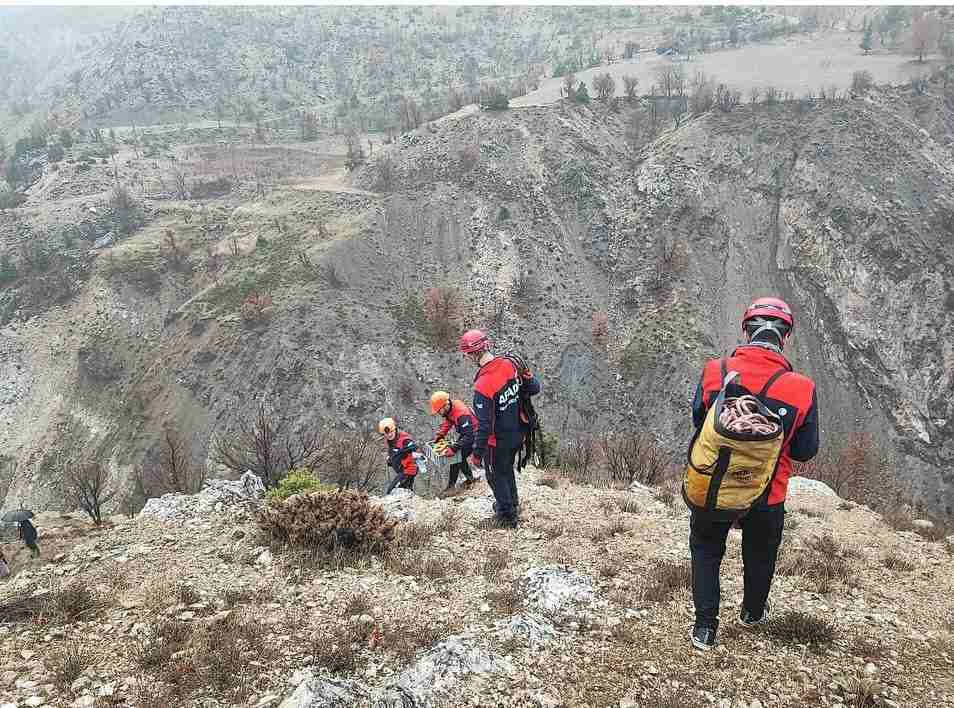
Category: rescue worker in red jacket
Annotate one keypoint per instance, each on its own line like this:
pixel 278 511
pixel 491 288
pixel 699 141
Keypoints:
pixel 766 326
pixel 498 390
pixel 458 416
pixel 401 449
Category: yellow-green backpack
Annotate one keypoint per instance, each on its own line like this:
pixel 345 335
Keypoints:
pixel 728 472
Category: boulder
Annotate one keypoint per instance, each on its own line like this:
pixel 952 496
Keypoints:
pixel 803 485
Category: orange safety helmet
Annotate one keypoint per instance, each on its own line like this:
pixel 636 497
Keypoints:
pixel 439 399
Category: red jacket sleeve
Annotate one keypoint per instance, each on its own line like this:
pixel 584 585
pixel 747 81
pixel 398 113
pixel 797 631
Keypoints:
pixel 409 465
pixel 443 430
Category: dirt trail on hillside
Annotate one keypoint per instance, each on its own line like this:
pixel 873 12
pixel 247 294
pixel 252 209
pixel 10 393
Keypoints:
pixel 336 181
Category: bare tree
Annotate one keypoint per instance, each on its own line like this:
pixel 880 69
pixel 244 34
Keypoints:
pixel 604 86
pixel 351 460
pixel 678 79
pixel 88 487
pixel 266 445
pixel 664 76
pixel 634 129
pixel 409 114
pixel 355 156
pixel 569 85
pixel 175 470
pixel 630 85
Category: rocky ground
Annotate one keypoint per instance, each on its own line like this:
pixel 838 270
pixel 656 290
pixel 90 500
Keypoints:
pixel 586 604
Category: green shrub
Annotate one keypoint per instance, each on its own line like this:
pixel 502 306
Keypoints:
pixel 297 482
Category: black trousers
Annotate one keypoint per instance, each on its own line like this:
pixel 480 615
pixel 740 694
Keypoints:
pixel 761 536
pixel 404 481
pixel 498 464
pixel 456 469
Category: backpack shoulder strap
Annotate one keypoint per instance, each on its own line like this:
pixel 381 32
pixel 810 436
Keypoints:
pixel 723 370
pixel 772 379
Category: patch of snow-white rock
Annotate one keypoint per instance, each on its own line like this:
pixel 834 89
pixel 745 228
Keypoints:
pixel 216 496
pixel 803 485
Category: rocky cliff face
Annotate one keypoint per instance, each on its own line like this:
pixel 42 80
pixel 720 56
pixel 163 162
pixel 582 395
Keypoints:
pixel 616 270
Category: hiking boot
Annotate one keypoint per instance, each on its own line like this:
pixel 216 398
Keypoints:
pixel 748 619
pixel 703 638
pixel 497 522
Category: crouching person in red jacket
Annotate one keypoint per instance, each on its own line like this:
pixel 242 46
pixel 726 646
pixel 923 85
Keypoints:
pixel 400 458
pixel 762 370
pixel 456 415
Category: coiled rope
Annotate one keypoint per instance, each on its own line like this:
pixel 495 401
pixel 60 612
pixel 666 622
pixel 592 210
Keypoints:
pixel 741 415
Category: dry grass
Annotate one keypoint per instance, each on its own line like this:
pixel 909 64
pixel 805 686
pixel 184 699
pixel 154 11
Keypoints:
pixel 898 520
pixel 416 534
pixel 797 627
pixel 187 595
pixel 868 647
pixel 552 530
pixel 449 521
pixel 420 565
pixel 893 561
pixel 550 481
pixel 610 568
pixel 335 651
pixel 862 692
pixel 406 639
pixel 823 561
pixel 495 561
pixel 506 598
pixel 67 663
pixel 665 579
pixel 358 603
pixel 628 505
pixel 72 603
pixel 234 596
pixel 604 532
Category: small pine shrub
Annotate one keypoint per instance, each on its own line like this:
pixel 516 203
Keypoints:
pixel 297 482
pixel 343 519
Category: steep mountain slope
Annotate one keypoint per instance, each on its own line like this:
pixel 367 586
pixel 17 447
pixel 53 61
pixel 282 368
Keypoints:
pixel 616 270
pixel 586 604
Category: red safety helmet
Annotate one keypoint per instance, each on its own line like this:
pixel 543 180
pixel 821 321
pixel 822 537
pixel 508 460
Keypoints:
pixel 473 341
pixel 770 307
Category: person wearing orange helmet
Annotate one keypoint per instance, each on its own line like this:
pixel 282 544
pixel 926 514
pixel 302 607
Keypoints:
pixel 762 370
pixel 501 394
pixel 460 417
pixel 400 457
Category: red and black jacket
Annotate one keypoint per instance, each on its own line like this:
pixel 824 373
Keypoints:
pixel 463 420
pixel 791 396
pixel 498 387
pixel 400 456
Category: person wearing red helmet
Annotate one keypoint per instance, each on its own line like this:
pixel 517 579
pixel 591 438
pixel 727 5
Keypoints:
pixel 499 387
pixel 767 325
